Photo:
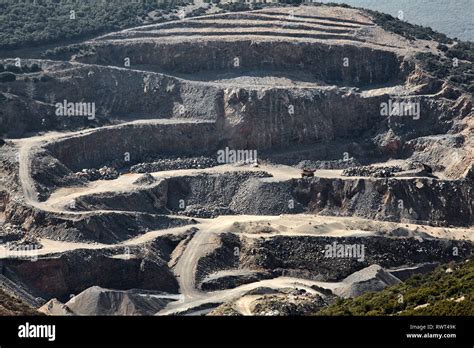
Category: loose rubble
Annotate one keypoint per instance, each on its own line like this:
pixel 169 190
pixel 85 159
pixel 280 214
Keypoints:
pixel 104 173
pixel 376 172
pixel 336 164
pixel 158 165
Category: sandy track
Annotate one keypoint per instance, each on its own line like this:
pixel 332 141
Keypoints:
pixel 222 296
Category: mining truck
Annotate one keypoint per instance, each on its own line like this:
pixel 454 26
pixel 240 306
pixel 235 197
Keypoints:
pixel 307 173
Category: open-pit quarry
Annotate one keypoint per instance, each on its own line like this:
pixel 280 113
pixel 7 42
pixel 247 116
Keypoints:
pixel 145 204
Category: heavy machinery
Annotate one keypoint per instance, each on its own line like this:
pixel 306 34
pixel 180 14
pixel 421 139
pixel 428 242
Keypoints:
pixel 307 173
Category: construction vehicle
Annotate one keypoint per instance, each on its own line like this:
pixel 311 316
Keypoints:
pixel 307 173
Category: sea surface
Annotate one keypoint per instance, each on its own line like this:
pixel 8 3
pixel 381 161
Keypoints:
pixel 454 18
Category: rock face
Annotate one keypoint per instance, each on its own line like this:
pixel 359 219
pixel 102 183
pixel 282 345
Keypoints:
pixel 72 272
pixel 373 278
pixel 305 257
pixel 360 196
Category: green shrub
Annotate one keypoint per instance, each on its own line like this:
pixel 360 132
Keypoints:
pixel 24 24
pixel 407 30
pixel 35 68
pixel 7 77
pixel 13 69
pixel 45 78
pixel 438 289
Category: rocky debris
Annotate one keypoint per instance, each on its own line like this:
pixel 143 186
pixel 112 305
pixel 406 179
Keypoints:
pixel 246 118
pixel 11 232
pixel 205 213
pixel 293 302
pixel 384 199
pixel 99 301
pixel 416 165
pixel 13 305
pixel 55 307
pixel 306 257
pixel 176 163
pixel 262 290
pixel 145 179
pixel 260 197
pixel 26 243
pixel 104 173
pixel 373 278
pixel 233 281
pixel 417 169
pixel 274 302
pixel 223 257
pixel 335 164
pixel 202 309
pixel 373 171
pixel 226 309
pixel 71 272
pixel 389 143
pixel 209 195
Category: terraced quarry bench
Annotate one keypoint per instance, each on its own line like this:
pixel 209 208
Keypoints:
pixel 293 84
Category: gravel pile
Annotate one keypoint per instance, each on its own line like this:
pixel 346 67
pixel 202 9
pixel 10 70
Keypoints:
pixel 296 302
pixel 145 179
pixel 205 213
pixel 370 279
pixel 377 172
pixel 174 163
pixel 338 164
pixel 104 173
pixel 10 232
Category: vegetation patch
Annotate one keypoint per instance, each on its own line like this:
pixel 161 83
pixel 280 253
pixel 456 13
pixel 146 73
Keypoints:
pixel 445 291
pixel 459 72
pixel 40 22
pixel 13 306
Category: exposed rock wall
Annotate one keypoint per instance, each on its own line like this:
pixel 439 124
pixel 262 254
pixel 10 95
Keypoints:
pixel 72 272
pixel 321 61
pixel 423 200
pixel 305 256
pixel 93 149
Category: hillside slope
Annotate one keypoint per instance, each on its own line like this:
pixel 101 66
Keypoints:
pixel 446 291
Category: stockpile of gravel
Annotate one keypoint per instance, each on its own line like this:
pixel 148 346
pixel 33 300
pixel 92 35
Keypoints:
pixel 377 172
pixel 259 197
pixel 99 301
pixel 287 303
pixel 373 278
pixel 337 164
pixel 104 173
pixel 174 163
pixel 205 212
pixel 208 195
